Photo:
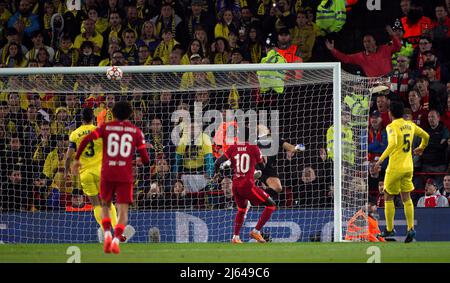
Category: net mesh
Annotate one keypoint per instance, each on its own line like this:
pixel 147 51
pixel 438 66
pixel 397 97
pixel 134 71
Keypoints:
pixel 175 198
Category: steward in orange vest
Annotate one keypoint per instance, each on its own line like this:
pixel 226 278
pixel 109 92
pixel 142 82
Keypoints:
pixel 415 24
pixel 356 230
pixel 290 52
pixel 225 137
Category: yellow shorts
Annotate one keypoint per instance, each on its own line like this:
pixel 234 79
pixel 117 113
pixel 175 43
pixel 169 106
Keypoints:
pixel 90 183
pixel 398 182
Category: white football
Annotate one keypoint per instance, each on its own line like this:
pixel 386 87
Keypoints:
pixel 114 73
pixel 225 164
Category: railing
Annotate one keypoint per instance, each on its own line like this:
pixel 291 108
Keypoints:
pixel 418 191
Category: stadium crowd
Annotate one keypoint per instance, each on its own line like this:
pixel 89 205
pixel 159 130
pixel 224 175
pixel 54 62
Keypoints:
pixel 411 53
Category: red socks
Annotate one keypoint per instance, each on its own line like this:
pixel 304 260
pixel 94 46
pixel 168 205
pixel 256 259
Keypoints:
pixel 106 224
pixel 239 220
pixel 264 217
pixel 118 230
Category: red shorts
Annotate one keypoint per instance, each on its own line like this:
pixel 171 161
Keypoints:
pixel 248 191
pixel 123 191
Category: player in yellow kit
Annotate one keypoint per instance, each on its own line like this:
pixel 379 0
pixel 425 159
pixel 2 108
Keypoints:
pixel 399 173
pixel 91 164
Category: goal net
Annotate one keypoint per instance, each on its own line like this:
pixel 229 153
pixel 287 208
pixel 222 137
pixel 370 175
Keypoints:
pixel 188 115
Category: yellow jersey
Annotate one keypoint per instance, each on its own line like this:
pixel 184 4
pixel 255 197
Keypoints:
pixel 400 141
pixel 97 40
pixel 91 159
pixel 193 155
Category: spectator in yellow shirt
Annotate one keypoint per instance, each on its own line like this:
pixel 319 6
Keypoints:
pixel 89 35
pixel 194 47
pixel 54 165
pixel 113 47
pixel 304 35
pixel 101 24
pixel 202 36
pixel 61 124
pixel 130 50
pixel 132 20
pixel 66 54
pixel 189 79
pixel 114 32
pixel 220 50
pixel 5 14
pixel 144 55
pixel 15 56
pixel 227 23
pixel 148 37
pixel 165 47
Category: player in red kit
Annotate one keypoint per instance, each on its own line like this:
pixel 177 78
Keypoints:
pixel 245 158
pixel 120 140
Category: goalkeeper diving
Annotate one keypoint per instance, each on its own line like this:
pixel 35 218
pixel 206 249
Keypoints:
pixel 269 175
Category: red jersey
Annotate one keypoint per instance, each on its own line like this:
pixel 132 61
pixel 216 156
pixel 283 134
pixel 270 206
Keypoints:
pixel 120 141
pixel 244 158
pixel 373 64
pixel 420 117
pixel 386 120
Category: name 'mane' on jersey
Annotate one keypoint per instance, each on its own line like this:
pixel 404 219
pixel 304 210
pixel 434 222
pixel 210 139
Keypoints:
pixel 243 160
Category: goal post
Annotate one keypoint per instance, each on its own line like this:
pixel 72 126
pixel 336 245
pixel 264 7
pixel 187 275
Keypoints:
pixel 337 164
pixel 311 104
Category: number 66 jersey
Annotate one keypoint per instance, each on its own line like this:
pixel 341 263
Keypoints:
pixel 120 141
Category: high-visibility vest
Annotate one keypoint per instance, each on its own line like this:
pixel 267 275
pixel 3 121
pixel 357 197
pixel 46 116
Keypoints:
pixel 359 105
pixel 406 50
pixel 413 32
pixel 357 232
pixel 272 79
pixel 348 147
pixel 332 18
pixel 290 54
pixel 104 117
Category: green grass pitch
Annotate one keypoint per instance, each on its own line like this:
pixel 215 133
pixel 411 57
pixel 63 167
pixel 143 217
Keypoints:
pixel 229 253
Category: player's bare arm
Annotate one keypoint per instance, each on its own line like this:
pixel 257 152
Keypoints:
pixel 76 167
pixel 289 147
pixel 68 160
pixel 392 143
